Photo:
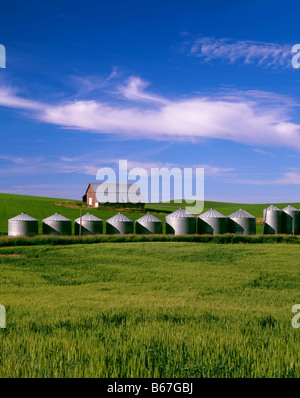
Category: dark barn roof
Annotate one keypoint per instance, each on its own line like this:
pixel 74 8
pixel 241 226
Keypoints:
pixel 121 190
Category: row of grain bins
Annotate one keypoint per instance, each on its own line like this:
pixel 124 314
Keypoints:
pixel 179 222
pixel 25 225
pixel 286 221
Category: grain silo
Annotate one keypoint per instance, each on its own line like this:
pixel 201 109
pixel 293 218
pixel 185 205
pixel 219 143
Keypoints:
pixel 212 222
pixel 148 224
pixel 290 220
pixel 119 224
pixel 90 225
pixel 242 223
pixel 180 222
pixel 272 219
pixel 57 225
pixel 23 225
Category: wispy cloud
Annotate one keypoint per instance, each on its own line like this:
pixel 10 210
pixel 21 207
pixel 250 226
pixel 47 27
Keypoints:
pixel 262 152
pixel 9 98
pixel 13 159
pixel 88 164
pixel 240 119
pixel 291 177
pixel 44 166
pixel 88 84
pixel 246 51
pixel 210 171
pixel 134 90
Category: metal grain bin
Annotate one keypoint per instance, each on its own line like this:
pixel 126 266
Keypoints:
pixel 180 223
pixel 290 220
pixel 90 225
pixel 119 224
pixel 272 218
pixel 23 225
pixel 242 223
pixel 148 224
pixel 57 225
pixel 212 222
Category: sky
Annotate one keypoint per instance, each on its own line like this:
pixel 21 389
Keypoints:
pixel 196 84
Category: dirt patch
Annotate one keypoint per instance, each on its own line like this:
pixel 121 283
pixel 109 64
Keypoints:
pixel 70 205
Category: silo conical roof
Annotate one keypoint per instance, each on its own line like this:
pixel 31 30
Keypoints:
pixel 273 208
pixel 211 213
pixel 290 208
pixel 119 217
pixel 241 214
pixel 88 217
pixel 23 217
pixel 56 217
pixel 148 218
pixel 180 213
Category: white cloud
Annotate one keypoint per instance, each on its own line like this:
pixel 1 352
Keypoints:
pixel 239 119
pixel 43 166
pixel 134 90
pixel 209 170
pixel 262 152
pixel 10 99
pixel 245 51
pixel 13 159
pixel 289 178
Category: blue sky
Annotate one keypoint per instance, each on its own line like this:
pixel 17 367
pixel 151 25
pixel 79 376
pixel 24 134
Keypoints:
pixel 174 83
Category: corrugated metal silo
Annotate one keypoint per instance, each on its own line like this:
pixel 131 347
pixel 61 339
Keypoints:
pixel 119 224
pixel 148 224
pixel 272 217
pixel 23 225
pixel 290 220
pixel 212 222
pixel 57 225
pixel 242 223
pixel 180 222
pixel 90 225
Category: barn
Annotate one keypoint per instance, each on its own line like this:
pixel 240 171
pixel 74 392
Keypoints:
pixel 118 191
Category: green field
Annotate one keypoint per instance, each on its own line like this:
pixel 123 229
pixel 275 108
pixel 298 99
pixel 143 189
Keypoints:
pixel 40 208
pixel 150 310
pixel 146 309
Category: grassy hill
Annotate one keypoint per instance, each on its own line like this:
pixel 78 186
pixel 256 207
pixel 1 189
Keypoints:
pixel 41 207
pixel 223 207
pixel 94 310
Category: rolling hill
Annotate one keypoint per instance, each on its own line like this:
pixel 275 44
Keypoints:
pixel 42 207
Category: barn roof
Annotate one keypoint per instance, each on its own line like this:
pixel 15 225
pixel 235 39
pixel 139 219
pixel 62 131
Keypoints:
pixel 120 190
